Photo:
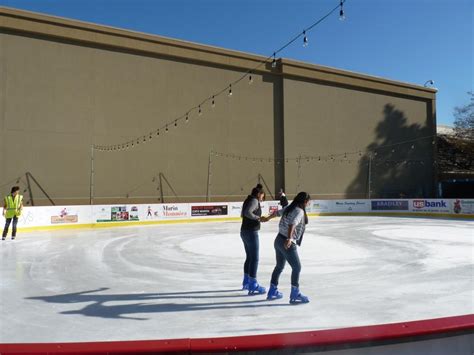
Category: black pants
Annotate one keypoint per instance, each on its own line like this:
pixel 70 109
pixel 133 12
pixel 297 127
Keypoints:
pixel 282 256
pixel 7 226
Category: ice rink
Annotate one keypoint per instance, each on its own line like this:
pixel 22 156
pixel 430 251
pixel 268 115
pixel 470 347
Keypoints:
pixel 183 280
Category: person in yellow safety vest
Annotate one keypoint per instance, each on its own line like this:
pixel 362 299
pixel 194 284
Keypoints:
pixel 12 207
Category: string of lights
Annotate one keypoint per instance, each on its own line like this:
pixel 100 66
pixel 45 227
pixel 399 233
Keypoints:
pixel 328 157
pixel 190 113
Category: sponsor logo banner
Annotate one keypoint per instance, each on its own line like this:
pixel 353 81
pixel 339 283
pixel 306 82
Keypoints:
pixel 319 206
pixel 119 213
pixel 423 205
pixel 270 206
pixel 212 210
pixel 463 206
pixel 64 219
pixel 65 216
pixel 390 205
pixel 351 206
pixel 174 211
pixel 235 209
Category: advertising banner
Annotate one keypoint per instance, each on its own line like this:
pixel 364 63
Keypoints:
pixel 270 207
pixel 149 212
pixel 425 205
pixel 65 215
pixel 208 210
pixel 320 206
pixel 174 211
pixel 390 205
pixel 461 206
pixel 76 215
pixel 351 206
pixel 235 209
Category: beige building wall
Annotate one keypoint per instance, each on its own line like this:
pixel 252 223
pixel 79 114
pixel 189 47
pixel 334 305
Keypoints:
pixel 336 129
pixel 66 85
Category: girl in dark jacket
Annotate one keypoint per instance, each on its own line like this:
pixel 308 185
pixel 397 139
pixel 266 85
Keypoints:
pixel 251 219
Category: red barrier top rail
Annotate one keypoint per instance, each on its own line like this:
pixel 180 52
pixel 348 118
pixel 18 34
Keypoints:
pixel 353 335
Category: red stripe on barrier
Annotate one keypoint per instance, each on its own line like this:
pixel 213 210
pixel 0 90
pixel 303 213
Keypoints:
pixel 254 342
pixel 336 336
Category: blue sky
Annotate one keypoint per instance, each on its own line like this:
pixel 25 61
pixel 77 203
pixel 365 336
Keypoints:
pixel 405 40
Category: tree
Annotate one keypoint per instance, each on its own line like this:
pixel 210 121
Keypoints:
pixel 464 119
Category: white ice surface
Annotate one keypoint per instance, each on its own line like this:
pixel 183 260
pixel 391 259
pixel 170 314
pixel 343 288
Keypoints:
pixel 179 281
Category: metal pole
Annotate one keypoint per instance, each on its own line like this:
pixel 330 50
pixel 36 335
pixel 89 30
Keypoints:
pixel 40 187
pixel 91 196
pixel 29 188
pixel 161 189
pixel 370 175
pixel 208 193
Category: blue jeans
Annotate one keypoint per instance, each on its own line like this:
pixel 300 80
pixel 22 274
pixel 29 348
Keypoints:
pixel 282 256
pixel 7 226
pixel 251 245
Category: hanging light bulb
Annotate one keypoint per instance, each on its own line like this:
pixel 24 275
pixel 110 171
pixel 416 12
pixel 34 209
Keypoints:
pixel 187 117
pixel 250 79
pixel 213 102
pixel 166 129
pixel 200 111
pixel 342 16
pixel 274 62
pixel 305 39
pixel 176 123
pixel 230 90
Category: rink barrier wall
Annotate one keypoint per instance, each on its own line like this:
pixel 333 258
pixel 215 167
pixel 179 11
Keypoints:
pixel 382 336
pixel 99 216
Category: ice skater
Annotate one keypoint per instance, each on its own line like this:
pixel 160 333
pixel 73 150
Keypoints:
pixel 291 229
pixel 12 207
pixel 251 219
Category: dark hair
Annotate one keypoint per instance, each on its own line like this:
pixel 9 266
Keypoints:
pixel 257 190
pixel 299 201
pixel 15 189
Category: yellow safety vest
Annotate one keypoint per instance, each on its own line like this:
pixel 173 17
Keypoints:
pixel 13 206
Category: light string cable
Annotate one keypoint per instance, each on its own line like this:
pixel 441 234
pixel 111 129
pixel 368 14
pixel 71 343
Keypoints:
pixel 187 116
pixel 372 153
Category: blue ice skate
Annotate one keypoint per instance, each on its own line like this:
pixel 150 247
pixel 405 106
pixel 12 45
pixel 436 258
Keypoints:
pixel 255 288
pixel 297 297
pixel 245 282
pixel 273 293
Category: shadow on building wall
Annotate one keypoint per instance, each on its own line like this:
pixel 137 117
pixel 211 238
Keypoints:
pixel 399 163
